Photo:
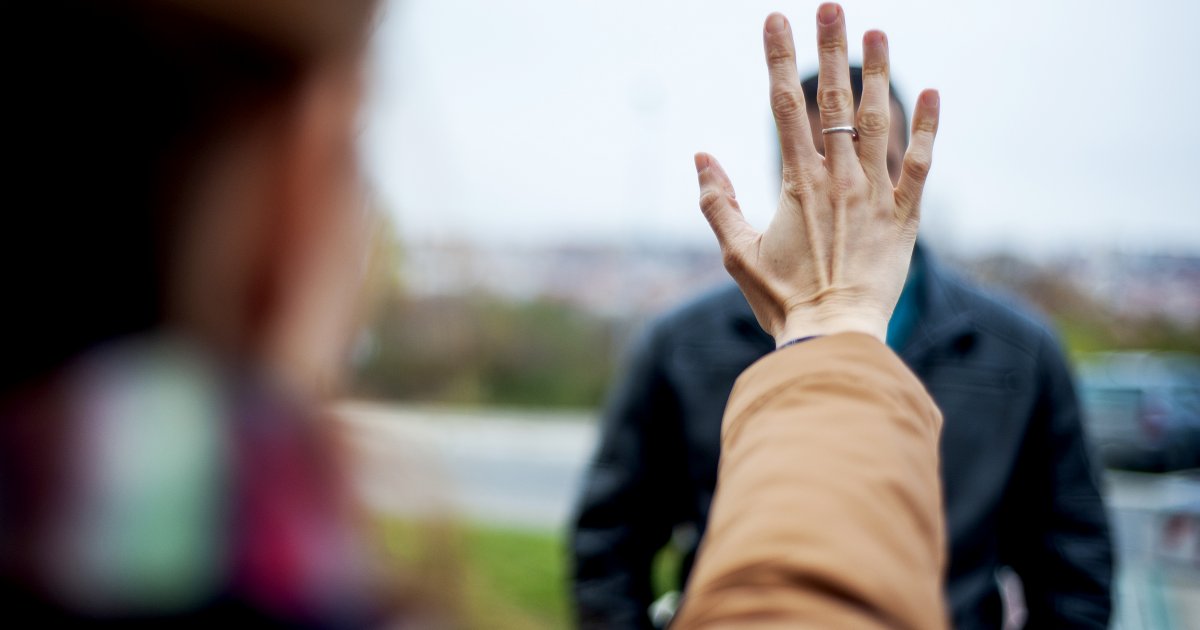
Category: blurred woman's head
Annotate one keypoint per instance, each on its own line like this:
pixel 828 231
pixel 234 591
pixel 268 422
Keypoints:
pixel 182 164
pixel 184 169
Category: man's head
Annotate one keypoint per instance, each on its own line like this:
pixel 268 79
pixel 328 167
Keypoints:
pixel 899 139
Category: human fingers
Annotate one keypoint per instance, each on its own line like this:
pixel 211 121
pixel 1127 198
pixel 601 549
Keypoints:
pixel 835 100
pixel 720 207
pixel 787 98
pixel 874 112
pixel 919 157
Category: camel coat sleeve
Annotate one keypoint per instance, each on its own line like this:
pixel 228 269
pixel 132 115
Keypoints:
pixel 828 510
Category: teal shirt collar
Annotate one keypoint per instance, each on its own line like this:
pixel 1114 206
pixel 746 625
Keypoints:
pixel 908 308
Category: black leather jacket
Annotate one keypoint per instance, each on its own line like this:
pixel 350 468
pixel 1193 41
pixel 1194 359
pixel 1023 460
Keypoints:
pixel 1020 489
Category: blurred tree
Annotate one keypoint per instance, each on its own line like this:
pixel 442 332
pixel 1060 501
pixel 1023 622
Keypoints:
pixel 1085 323
pixel 486 351
pixel 476 349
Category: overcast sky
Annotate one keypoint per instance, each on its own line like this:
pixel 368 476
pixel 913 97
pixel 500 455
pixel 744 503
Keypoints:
pixel 1066 125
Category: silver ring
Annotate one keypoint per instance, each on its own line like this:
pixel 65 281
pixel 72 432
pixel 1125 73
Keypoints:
pixel 853 131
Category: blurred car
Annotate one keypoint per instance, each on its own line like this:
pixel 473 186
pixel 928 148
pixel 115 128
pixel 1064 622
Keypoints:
pixel 1143 409
pixel 1156 531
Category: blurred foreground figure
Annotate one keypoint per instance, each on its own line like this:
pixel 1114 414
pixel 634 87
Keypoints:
pixel 180 272
pixel 1020 490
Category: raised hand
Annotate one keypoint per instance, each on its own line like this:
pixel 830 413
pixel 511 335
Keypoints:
pixel 836 254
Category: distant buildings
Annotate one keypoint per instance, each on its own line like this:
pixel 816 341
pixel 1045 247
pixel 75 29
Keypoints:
pixel 1142 284
pixel 614 281
pixel 641 280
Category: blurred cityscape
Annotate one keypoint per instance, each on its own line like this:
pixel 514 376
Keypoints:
pixel 636 281
pixel 544 326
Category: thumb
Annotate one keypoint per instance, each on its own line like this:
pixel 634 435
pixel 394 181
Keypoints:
pixel 719 203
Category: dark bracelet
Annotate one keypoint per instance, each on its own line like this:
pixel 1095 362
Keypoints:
pixel 796 341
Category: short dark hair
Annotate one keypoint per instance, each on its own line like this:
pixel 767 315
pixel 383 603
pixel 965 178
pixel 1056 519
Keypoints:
pixel 809 85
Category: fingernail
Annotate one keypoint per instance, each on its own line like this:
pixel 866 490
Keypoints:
pixel 828 13
pixel 776 23
pixel 701 162
pixel 875 38
pixel 930 98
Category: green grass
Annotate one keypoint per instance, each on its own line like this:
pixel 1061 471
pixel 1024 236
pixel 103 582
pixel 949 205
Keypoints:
pixel 664 573
pixel 485 576
pixel 495 577
pixel 518 579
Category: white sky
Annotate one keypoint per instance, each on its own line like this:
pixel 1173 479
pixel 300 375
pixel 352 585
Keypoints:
pixel 1066 125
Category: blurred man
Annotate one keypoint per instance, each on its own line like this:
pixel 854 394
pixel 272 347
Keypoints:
pixel 1020 490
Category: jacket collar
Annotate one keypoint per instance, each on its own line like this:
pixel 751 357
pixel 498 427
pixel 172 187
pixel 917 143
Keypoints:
pixel 943 318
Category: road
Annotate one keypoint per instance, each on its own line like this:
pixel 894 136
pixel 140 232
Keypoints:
pixel 524 469
pixel 496 466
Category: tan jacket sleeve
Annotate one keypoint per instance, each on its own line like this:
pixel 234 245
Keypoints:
pixel 828 510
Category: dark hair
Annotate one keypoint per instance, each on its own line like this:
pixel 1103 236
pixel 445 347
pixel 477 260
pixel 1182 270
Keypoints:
pixel 809 85
pixel 116 106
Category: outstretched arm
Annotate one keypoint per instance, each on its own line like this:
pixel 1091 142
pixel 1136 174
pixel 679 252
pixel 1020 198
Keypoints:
pixel 828 503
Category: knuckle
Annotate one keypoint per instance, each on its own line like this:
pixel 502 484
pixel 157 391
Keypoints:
pixel 798 187
pixel 925 124
pixel 873 122
pixel 917 167
pixel 778 54
pixel 875 68
pixel 710 201
pixel 732 259
pixel 832 45
pixel 834 100
pixel 787 104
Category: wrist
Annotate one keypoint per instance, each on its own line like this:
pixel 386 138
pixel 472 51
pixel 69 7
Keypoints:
pixel 801 325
